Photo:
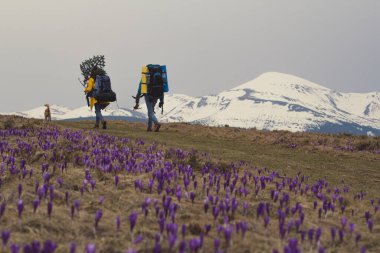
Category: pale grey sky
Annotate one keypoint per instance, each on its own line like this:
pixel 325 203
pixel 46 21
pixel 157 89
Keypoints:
pixel 208 45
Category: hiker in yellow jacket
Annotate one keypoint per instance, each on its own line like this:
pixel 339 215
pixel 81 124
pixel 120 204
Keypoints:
pixel 93 102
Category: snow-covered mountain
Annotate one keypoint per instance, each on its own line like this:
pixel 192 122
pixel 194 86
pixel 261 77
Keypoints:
pixel 276 101
pixel 272 101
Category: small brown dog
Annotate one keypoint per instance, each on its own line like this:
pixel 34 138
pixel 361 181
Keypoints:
pixel 47 113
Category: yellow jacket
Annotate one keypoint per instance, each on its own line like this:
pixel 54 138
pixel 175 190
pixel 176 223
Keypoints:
pixel 89 88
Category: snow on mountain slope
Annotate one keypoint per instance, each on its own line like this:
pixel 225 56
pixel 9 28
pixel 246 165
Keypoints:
pixel 63 113
pixel 171 101
pixel 272 101
pixel 56 111
pixel 360 104
pixel 276 101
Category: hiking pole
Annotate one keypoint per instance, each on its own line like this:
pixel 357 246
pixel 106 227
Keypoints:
pixel 88 102
pixel 81 83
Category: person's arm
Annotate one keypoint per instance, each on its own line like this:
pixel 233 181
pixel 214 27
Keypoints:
pixel 137 98
pixel 90 85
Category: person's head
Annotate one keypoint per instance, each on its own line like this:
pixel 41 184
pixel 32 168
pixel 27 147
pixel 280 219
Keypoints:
pixel 96 71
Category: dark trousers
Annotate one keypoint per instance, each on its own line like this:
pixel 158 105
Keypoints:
pixel 98 113
pixel 150 104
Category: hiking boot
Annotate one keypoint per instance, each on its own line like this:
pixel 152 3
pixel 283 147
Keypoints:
pixel 157 127
pixel 96 126
pixel 149 129
pixel 104 124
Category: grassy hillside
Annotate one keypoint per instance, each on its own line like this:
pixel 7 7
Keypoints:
pixel 340 173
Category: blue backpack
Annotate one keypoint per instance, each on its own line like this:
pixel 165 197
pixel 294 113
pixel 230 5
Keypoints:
pixel 103 91
pixel 157 82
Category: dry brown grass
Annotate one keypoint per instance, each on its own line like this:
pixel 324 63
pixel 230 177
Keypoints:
pixel 360 170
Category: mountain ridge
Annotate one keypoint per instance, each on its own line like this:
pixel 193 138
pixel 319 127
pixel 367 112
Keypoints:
pixel 272 101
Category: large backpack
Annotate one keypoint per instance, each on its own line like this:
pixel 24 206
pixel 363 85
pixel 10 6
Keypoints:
pixel 154 80
pixel 102 91
pixel 156 83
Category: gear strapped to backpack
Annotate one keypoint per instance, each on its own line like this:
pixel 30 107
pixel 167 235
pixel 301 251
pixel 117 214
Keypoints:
pixel 102 91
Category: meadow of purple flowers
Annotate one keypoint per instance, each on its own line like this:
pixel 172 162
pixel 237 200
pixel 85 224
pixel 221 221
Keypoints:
pixel 66 190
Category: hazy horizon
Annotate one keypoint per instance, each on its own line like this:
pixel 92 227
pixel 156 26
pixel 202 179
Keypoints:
pixel 208 46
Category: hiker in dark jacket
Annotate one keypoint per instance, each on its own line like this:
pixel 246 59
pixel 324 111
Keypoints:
pixel 99 106
pixel 150 104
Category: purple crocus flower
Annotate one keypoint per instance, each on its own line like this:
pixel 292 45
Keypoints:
pixel 73 247
pixel 318 234
pixel 351 227
pixel 36 203
pixel 139 238
pixel 343 220
pixel 363 249
pixel 182 247
pixel 341 235
pixel 310 234
pixel 172 238
pixel 179 195
pixel 92 183
pixel 76 205
pixel 35 246
pixel 183 230
pixel 101 200
pixel 49 208
pixel 5 234
pixel 370 224
pixel 244 227
pixel 207 228
pixel 72 212
pixel 194 244
pixel 228 234
pixel 15 248
pixel 357 239
pixel 60 182
pixel 117 180
pixel 192 196
pixel 245 207
pixel 118 222
pixel 266 221
pixel 132 220
pixel 20 207
pixel 98 216
pixel 19 190
pixel 2 209
pixel 206 206
pixel 40 193
pixel 367 215
pixel 216 245
pixel 90 248
pixel 51 192
pixel 49 247
pixel 161 223
pixel 333 233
